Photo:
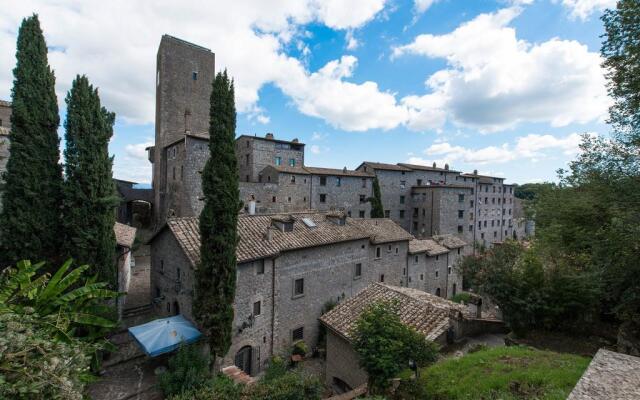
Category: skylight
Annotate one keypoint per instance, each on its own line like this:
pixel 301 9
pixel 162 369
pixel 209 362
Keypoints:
pixel 309 222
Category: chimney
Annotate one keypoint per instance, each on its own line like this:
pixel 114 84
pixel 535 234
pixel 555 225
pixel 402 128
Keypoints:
pixel 295 140
pixel 269 136
pixel 267 234
pixel 434 164
pixel 475 172
pixel 252 207
pixel 446 166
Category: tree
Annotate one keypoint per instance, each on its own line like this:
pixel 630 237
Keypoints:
pixel 89 192
pixel 216 274
pixel 621 53
pixel 377 209
pixel 30 223
pixel 385 345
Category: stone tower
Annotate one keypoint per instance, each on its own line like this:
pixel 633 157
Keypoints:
pixel 184 74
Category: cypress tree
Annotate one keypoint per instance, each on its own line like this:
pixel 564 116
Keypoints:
pixel 216 274
pixel 30 223
pixel 89 191
pixel 377 210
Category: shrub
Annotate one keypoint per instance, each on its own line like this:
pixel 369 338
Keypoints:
pixel 293 385
pixel 462 297
pixel 219 387
pixel 300 348
pixel 277 368
pixel 188 369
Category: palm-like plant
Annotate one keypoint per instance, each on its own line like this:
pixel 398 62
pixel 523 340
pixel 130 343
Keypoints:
pixel 77 304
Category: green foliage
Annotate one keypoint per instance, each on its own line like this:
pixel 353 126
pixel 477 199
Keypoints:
pixel 385 345
pixel 462 297
pixel 216 274
pixel 531 191
pixel 291 386
pixel 89 192
pixel 621 51
pixel 533 289
pixel 300 348
pixel 377 209
pixel 50 329
pixel 322 330
pixel 276 369
pixel 509 373
pixel 288 386
pixel 188 370
pixel 30 222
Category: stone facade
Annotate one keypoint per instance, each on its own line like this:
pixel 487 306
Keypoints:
pixel 184 74
pixel 341 189
pixel 432 268
pixel 5 126
pixel 255 153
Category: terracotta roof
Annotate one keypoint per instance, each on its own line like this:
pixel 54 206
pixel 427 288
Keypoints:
pixel 258 239
pixel 382 230
pixel 426 313
pixel 125 234
pixel 610 375
pixel 429 246
pixel 426 168
pixel 287 169
pixel 386 167
pixel 449 241
pixel 338 172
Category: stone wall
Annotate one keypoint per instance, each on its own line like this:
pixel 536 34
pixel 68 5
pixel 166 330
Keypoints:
pixel 342 193
pixel 342 363
pixel 255 153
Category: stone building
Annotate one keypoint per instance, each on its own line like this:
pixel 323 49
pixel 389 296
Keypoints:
pixel 254 153
pixel 5 128
pixel 341 189
pixel 184 74
pixel 125 238
pixel 289 267
pixel 431 265
pixel 439 320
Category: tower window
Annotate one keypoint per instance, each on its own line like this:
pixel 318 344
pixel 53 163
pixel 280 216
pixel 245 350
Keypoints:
pixel 194 75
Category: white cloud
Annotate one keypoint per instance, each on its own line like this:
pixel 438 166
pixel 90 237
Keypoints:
pixel 115 42
pixel 138 150
pixel 315 149
pixel 582 9
pixel 531 147
pixel 495 80
pixel 352 42
pixel 422 5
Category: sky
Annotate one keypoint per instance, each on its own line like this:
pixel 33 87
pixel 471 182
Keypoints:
pixel 505 87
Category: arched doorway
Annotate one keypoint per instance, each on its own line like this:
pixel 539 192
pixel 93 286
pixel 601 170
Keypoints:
pixel 243 359
pixel 438 292
pixel 176 308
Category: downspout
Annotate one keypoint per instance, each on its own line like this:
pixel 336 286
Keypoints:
pixel 446 286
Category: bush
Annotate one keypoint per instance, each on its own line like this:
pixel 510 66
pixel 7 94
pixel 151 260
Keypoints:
pixel 300 348
pixel 462 297
pixel 290 386
pixel 220 387
pixel 188 369
pixel 277 368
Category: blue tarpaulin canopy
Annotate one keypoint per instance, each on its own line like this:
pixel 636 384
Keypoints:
pixel 164 335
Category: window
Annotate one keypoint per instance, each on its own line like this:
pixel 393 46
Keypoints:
pixel 387 213
pixel 460 198
pixel 495 234
pixel 486 200
pixel 437 257
pixel 401 214
pixel 363 199
pixel 415 259
pixel 178 274
pixel 437 273
pixel 449 270
pixel 485 224
pixel 401 199
pixel 378 252
pixel 338 181
pixel 297 334
pixel 458 250
pixel 292 162
pixel 470 228
pixel 471 203
pixel 460 229
pixel 278 160
pixel 289 199
pixel 323 181
pixel 493 201
pixel 357 273
pixel 492 222
pixel 419 182
pixel 364 182
pixel 174 173
pixel 194 75
pixel 482 235
pixel 298 287
pixel 397 250
pixel 421 277
pixel 256 308
pixel 382 278
pixel 361 213
pixel 293 179
pixel 460 213
pixel 273 199
pixel 403 184
pixel 323 198
pixel 260 267
pixel 479 224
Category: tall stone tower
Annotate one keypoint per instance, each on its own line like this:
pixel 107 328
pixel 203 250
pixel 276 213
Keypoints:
pixel 184 74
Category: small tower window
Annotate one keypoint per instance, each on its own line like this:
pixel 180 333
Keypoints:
pixel 194 75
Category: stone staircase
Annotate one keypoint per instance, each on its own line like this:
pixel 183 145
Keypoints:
pixel 238 375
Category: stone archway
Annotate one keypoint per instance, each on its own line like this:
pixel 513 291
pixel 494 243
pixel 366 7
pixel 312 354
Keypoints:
pixel 243 359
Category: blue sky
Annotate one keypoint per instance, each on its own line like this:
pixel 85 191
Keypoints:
pixel 505 87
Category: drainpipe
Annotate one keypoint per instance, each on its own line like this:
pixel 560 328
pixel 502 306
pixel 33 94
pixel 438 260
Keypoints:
pixel 446 286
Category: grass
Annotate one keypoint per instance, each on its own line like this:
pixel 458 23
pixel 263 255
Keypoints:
pixel 505 373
